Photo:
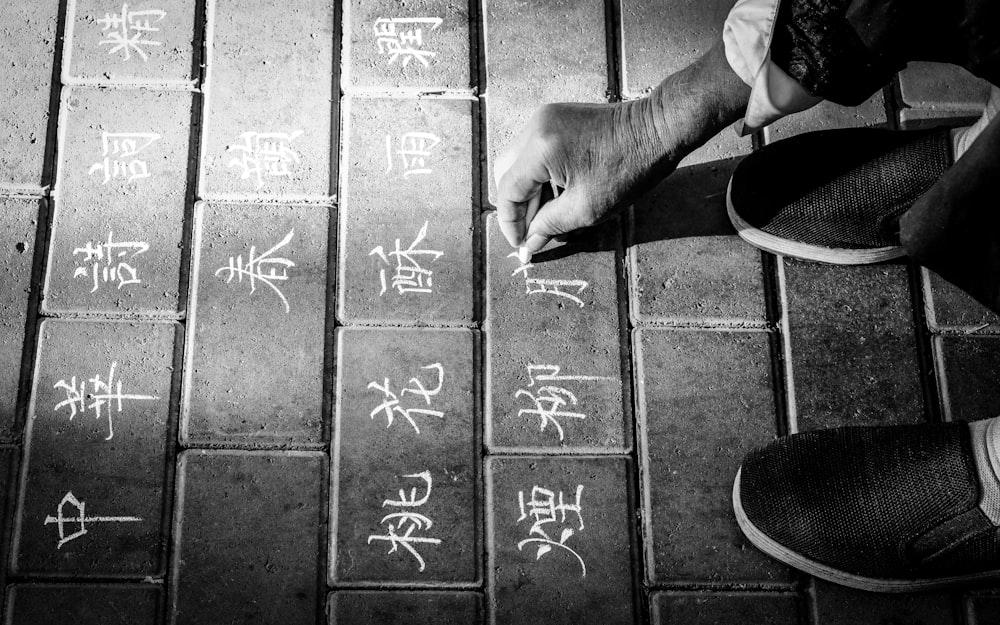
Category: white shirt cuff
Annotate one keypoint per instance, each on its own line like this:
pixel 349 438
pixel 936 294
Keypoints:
pixel 747 39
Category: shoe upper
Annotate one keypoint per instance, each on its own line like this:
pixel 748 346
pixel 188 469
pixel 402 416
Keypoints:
pixel 898 502
pixel 838 189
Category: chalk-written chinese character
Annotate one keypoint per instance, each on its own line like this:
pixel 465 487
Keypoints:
pixel 403 527
pixel 543 509
pixel 102 393
pixel 117 148
pixel 551 400
pixel 79 518
pixel 263 268
pixel 413 151
pixel 392 406
pixel 265 154
pixel 410 276
pixel 107 262
pixel 549 286
pixel 404 38
pixel 127 31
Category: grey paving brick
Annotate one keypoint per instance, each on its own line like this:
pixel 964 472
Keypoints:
pixel 118 224
pixel 404 608
pixel 852 344
pixel 827 115
pixel 97 438
pixel 149 42
pixel 27 47
pixel 560 541
pixel 248 538
pixel 837 605
pixel 969 376
pixel 706 398
pixel 255 372
pixel 687 264
pixel 406 444
pixel 725 608
pixel 660 38
pixel 269 117
pixel 420 46
pixel 917 119
pixel 18 223
pixel 943 87
pixel 983 609
pixel 951 308
pixel 82 604
pixel 544 52
pixel 406 219
pixel 554 347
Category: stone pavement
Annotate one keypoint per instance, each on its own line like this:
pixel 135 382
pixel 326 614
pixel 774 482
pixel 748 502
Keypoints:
pixel 266 358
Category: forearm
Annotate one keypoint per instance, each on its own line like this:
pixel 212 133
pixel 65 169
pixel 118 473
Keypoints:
pixel 691 106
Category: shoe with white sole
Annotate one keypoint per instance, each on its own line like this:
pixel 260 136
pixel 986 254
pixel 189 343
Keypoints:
pixel 835 196
pixel 886 509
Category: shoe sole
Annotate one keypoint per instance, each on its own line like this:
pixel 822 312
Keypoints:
pixel 817 569
pixel 786 247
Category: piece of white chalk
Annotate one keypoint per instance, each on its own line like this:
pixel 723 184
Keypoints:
pixel 523 255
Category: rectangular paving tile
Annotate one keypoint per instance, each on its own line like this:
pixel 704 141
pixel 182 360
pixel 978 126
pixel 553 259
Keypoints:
pixel 554 370
pixel 706 398
pixel 99 431
pixel 949 308
pixel 28 50
pixel 417 47
pixel 851 350
pixel 560 541
pixel 687 266
pixel 381 607
pixel 255 355
pixel 968 376
pixel 551 51
pixel 838 605
pixel 406 212
pixel 662 37
pixel 723 608
pixel 150 42
pixel 406 459
pixel 269 116
pixel 19 223
pixel 827 115
pixel 118 225
pixel 82 604
pixel 942 87
pixel 248 537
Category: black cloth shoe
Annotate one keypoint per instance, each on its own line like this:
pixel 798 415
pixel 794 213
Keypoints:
pixel 888 509
pixel 835 196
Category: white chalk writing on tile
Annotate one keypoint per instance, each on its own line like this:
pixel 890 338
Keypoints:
pixel 402 527
pixel 410 276
pixel 79 519
pixel 102 393
pixel 261 268
pixel 117 147
pixel 551 400
pixel 550 286
pixel 128 31
pixel 265 154
pixel 543 509
pixel 391 406
pixel 413 151
pixel 107 262
pixel 403 38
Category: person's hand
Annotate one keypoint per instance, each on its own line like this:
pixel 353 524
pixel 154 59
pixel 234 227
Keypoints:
pixel 599 154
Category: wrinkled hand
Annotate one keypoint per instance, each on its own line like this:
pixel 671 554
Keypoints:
pixel 602 155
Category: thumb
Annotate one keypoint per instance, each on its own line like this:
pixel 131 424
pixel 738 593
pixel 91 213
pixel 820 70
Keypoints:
pixel 558 216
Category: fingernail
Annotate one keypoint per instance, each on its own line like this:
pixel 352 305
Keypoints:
pixel 523 255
